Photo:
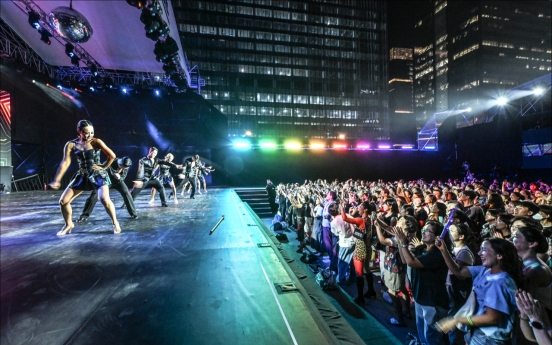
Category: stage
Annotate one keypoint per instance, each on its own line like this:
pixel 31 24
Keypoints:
pixel 163 280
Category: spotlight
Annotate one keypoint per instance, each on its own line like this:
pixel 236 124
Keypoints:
pixel 538 91
pixel 124 90
pixel 109 83
pixel 157 92
pixel 70 51
pixel 45 36
pixel 136 3
pixel 165 50
pixel 502 101
pixel 469 110
pixel 155 26
pixel 94 70
pixel 33 20
pixel 92 88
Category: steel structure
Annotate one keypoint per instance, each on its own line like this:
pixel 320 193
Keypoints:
pixel 428 135
pixel 13 46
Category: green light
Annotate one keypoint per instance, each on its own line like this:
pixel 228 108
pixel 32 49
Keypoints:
pixel 267 145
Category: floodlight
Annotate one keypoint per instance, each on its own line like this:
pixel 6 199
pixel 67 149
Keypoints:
pixel 70 51
pixel 45 36
pixel 538 91
pixel 33 20
pixel 502 101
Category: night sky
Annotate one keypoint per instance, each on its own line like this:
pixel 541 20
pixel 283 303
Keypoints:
pixel 401 16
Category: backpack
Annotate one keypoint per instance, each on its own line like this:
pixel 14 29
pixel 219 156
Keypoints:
pixel 326 279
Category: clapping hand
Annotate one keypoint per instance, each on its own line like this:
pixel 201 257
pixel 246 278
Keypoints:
pixel 530 307
pixel 416 242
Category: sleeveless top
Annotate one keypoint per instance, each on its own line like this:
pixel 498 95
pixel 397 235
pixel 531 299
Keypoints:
pixel 87 159
pixel 363 248
pixel 87 178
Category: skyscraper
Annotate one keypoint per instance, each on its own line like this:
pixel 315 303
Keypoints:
pixel 291 69
pixel 468 51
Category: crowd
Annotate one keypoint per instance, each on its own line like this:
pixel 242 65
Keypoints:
pixel 475 256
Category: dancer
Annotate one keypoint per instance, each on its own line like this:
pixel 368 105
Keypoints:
pixel 117 173
pixel 91 175
pixel 165 177
pixel 203 171
pixel 145 177
pixel 190 175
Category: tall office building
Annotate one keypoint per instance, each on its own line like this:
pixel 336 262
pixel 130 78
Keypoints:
pixel 400 81
pixel 291 69
pixel 468 51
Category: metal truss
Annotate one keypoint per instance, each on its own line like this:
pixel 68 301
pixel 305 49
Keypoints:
pixel 537 150
pixel 12 45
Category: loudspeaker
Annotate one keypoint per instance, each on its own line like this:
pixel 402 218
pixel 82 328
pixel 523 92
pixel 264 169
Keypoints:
pixel 6 173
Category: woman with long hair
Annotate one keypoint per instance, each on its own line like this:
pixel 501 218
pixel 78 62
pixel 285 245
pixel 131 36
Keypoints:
pixel 363 249
pixel 91 175
pixel 494 285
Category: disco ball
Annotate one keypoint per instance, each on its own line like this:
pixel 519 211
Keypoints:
pixel 70 24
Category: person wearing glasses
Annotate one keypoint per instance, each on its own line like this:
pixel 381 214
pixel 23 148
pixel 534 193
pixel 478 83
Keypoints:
pixel 428 278
pixel 494 286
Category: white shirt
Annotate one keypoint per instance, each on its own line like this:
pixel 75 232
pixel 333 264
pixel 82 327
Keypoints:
pixel 344 230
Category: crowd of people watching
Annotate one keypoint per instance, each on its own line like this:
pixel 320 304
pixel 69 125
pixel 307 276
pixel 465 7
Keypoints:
pixel 447 245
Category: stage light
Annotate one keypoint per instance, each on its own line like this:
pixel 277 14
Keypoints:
pixel 45 36
pixel 94 70
pixel 248 133
pixel 33 81
pixel 155 26
pixel 502 101
pixel 242 144
pixel 59 87
pixel 363 146
pixel 317 146
pixel 339 146
pixel 165 50
pixel 341 136
pixel 384 147
pixel 109 84
pixel 292 145
pixel 267 145
pixel 430 147
pixel 70 51
pixel 407 147
pixel 157 92
pixel 33 20
pixel 136 3
pixel 92 88
pixel 538 91
pixel 469 110
pixel 124 90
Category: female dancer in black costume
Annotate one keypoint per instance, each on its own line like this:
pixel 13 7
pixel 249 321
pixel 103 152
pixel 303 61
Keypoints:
pixel 91 174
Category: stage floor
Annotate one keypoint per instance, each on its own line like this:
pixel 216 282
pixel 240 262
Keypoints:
pixel 163 280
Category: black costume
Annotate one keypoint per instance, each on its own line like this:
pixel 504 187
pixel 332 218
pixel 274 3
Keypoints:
pixel 145 174
pixel 87 178
pixel 271 196
pixel 190 173
pixel 117 184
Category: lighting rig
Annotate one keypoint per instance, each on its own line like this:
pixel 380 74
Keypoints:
pixel 166 48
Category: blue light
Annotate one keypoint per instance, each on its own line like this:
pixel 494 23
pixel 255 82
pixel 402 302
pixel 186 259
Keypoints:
pixel 157 92
pixel 91 88
pixel 242 144
pixel 124 90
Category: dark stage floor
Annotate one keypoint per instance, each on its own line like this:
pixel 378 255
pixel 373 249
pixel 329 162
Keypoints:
pixel 164 280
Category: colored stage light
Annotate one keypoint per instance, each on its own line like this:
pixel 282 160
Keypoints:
pixel 292 145
pixel 33 20
pixel 363 146
pixel 317 146
pixel 267 145
pixel 124 90
pixel 157 92
pixel 242 144
pixel 538 91
pixel 384 147
pixel 407 147
pixel 430 147
pixel 339 146
pixel 70 51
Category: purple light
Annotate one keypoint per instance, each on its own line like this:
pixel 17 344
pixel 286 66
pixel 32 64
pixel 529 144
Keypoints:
pixel 363 146
pixel 384 147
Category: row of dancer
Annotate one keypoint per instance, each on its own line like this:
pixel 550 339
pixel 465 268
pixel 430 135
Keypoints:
pixel 100 177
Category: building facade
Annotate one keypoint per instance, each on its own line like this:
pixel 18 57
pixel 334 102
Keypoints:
pixel 291 69
pixel 467 52
pixel 401 76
